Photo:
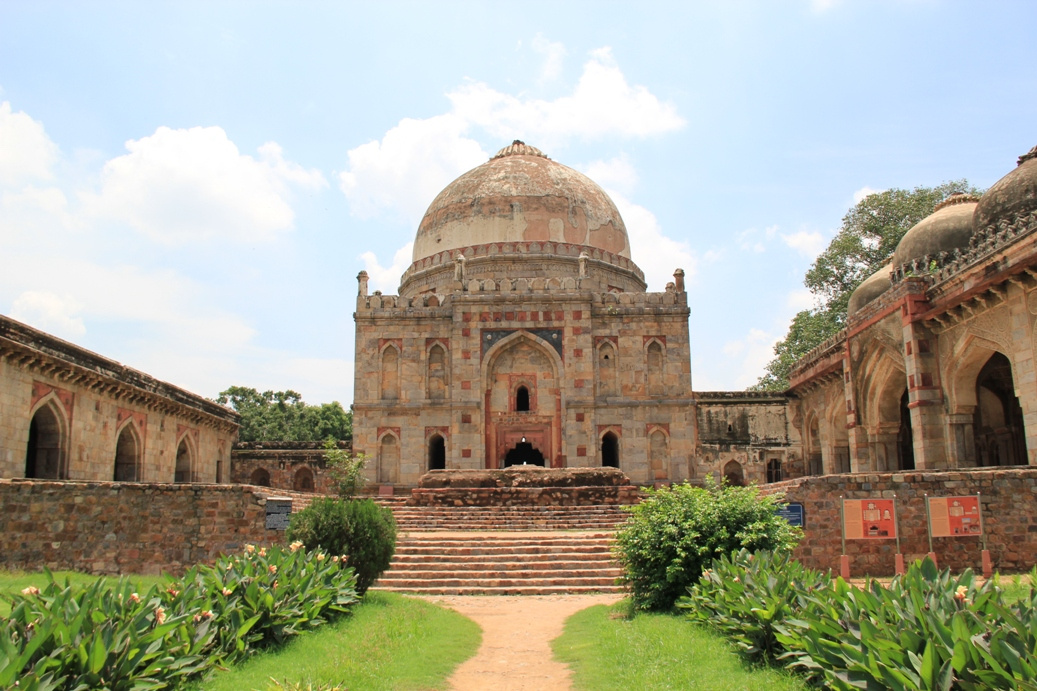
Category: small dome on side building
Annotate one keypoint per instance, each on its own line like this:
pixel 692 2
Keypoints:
pixel 869 289
pixel 947 228
pixel 1011 199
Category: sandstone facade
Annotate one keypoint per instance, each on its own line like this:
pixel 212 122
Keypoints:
pixel 67 413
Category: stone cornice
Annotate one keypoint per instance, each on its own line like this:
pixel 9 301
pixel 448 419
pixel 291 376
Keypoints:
pixel 40 353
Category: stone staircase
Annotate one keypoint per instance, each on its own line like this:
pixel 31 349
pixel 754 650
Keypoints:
pixel 509 550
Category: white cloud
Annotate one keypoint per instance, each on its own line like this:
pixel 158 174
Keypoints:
pixel 26 152
pixel 387 278
pixel 554 55
pixel 49 312
pixel 799 300
pixel 752 353
pixel 602 104
pixel 753 240
pixel 189 185
pixel 823 5
pixel 863 192
pixel 404 171
pixel 616 173
pixel 656 254
pixel 808 244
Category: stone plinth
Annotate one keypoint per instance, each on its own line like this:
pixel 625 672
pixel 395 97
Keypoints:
pixel 524 486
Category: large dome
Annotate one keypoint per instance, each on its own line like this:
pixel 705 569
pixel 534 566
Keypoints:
pixel 521 196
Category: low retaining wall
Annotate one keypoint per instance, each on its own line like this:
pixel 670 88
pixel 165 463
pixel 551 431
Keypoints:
pixel 116 527
pixel 1008 500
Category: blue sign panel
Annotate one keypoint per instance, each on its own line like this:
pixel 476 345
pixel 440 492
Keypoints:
pixel 794 514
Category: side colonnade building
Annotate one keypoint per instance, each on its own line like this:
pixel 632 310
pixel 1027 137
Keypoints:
pixel 935 368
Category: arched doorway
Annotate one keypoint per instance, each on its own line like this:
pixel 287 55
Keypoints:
pixel 260 477
pixel 998 418
pixel 522 400
pixel 610 450
pixel 182 473
pixel 43 454
pixel 815 459
pixel 436 453
pixel 524 454
pixel 905 439
pixel 127 455
pixel 733 474
pixel 303 480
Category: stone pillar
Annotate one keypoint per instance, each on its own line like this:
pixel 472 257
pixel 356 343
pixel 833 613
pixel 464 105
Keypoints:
pixel 924 390
pixel 961 438
pixel 362 280
pixel 883 443
pixel 1024 371
pixel 678 277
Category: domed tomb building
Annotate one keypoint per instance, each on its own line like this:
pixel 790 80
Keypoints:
pixel 523 333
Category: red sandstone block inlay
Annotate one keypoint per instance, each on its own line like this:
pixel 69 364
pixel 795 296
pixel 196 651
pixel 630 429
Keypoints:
pixel 577 352
pixel 466 385
pixel 580 417
pixel 466 419
pixel 466 453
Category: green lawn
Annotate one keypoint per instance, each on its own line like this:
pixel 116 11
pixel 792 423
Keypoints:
pixel 606 648
pixel 388 642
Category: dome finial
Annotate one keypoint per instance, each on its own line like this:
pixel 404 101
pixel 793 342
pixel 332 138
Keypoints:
pixel 519 148
pixel 1032 153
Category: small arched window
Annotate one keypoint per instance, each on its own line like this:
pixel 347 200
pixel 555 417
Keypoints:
pixel 774 470
pixel 522 400
pixel 610 450
pixel 436 453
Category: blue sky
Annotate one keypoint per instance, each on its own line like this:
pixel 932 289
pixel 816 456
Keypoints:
pixel 191 188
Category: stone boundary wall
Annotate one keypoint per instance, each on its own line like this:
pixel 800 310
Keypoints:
pixel 282 462
pixel 112 527
pixel 1008 499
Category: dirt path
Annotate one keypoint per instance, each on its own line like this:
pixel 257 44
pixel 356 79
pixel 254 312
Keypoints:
pixel 516 640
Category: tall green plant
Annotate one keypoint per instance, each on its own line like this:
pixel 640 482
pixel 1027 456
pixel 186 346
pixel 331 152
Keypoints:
pixel 676 532
pixel 346 470
pixel 359 529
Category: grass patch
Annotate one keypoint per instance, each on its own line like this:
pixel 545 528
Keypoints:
pixel 388 642
pixel 15 581
pixel 608 648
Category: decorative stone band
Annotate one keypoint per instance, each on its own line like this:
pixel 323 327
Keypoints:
pixel 936 268
pixel 819 352
pixel 519 286
pixel 503 249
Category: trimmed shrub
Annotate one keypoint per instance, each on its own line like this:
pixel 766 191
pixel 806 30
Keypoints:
pixel 676 532
pixel 360 530
pixel 748 596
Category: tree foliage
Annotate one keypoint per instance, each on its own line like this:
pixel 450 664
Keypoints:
pixel 866 240
pixel 283 416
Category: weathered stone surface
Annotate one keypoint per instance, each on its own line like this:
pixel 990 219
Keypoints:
pixel 116 527
pixel 525 476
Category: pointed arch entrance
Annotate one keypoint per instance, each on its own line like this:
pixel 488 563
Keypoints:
pixel 184 462
pixel 127 455
pixel 1000 437
pixel 436 452
pixel 610 450
pixel 45 451
pixel 523 401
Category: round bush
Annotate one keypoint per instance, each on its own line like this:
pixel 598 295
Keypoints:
pixel 360 529
pixel 675 533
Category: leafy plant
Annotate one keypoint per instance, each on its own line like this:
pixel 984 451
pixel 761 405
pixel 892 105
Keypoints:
pixel 927 630
pixel 105 636
pixel 676 532
pixel 747 596
pixel 345 469
pixel 360 530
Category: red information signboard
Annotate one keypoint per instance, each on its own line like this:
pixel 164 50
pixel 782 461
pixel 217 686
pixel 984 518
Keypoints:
pixel 954 516
pixel 869 519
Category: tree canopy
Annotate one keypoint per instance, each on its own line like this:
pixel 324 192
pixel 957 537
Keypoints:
pixel 283 416
pixel 866 240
